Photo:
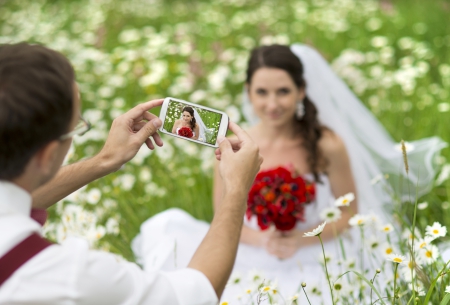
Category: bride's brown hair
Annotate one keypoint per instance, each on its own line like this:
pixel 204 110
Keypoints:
pixel 309 127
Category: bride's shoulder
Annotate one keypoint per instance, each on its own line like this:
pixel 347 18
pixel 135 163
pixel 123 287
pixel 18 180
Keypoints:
pixel 331 144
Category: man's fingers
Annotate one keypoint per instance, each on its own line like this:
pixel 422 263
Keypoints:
pixel 138 126
pixel 148 130
pixel 149 144
pixel 157 139
pixel 224 145
pixel 140 110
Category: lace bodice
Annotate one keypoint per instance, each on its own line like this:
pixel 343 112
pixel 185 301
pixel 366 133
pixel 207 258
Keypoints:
pixel 324 198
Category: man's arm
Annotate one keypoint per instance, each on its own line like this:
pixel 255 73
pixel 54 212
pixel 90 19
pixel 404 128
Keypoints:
pixel 216 254
pixel 128 133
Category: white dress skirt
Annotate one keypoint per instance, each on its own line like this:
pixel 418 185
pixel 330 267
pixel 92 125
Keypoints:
pixel 168 240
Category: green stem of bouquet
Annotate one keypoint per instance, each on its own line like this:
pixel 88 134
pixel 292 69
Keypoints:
pixel 395 283
pixel 326 269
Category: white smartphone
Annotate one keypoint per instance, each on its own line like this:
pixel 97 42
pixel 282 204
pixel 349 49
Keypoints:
pixel 192 122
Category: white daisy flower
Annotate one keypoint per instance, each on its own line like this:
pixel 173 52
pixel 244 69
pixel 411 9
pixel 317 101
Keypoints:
pixel 345 200
pixel 436 230
pixel 387 249
pixel 447 289
pixel 357 220
pixel 294 297
pixel 418 287
pixel 316 232
pixel 265 289
pixel 408 146
pixel 408 270
pixel 376 179
pixel 235 278
pixel 373 219
pixel 387 228
pixel 314 289
pixel 429 254
pixel 93 196
pixel 373 243
pixel 407 234
pixel 422 206
pixel 422 243
pixel 330 214
pixel 397 258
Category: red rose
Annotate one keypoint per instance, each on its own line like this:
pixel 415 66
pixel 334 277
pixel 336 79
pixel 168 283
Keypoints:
pixel 285 222
pixel 185 132
pixel 277 198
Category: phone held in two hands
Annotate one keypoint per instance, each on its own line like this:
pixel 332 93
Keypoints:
pixel 192 122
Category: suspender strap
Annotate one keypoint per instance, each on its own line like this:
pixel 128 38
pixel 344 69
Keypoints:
pixel 20 254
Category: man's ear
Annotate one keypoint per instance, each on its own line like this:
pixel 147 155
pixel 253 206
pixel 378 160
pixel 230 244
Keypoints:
pixel 47 156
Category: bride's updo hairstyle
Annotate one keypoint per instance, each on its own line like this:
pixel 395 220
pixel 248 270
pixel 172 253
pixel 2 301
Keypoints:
pixel 281 57
pixel 191 112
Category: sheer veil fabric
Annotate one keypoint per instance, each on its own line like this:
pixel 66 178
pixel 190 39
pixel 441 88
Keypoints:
pixel 371 149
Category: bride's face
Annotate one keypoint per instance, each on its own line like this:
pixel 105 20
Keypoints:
pixel 187 117
pixel 274 96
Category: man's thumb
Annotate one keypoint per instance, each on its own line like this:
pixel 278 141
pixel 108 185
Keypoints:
pixel 149 129
pixel 224 144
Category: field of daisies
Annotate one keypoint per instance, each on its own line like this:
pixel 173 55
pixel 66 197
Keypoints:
pixel 395 55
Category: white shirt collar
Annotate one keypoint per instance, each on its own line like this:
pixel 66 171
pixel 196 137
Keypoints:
pixel 14 199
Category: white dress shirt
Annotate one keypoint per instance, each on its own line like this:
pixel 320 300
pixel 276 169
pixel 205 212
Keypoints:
pixel 70 273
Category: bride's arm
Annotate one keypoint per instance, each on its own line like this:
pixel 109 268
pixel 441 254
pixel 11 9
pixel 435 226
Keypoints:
pixel 341 181
pixel 248 235
pixel 196 132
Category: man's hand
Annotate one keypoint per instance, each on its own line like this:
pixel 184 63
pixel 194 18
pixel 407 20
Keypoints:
pixel 129 132
pixel 239 160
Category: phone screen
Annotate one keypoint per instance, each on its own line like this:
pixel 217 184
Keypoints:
pixel 192 122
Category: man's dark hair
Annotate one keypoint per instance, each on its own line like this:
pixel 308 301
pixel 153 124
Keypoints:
pixel 36 103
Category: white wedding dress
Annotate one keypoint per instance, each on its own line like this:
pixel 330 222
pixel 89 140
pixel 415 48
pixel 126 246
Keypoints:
pixel 168 241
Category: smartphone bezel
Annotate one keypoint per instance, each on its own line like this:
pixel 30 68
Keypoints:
pixel 223 126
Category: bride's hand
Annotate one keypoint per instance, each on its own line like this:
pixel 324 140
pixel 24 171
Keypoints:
pixel 283 244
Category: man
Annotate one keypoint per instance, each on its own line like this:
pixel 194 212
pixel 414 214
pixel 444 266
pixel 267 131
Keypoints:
pixel 39 115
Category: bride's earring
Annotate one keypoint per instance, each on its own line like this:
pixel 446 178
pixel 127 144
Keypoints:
pixel 300 110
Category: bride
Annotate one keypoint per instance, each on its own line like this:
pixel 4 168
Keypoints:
pixel 187 120
pixel 304 119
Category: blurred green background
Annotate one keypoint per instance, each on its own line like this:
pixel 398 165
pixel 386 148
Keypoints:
pixel 395 55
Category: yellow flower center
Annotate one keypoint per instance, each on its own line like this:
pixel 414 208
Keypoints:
pixel 266 288
pixel 388 250
pixel 422 245
pixel 386 229
pixel 224 303
pixel 275 291
pixel 345 201
pixel 435 231
pixel 428 254
pixel 398 260
pixel 248 291
pixel 360 221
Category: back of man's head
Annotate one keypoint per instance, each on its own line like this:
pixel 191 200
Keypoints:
pixel 36 103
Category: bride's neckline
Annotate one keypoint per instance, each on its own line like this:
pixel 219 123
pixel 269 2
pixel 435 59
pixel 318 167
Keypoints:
pixel 309 174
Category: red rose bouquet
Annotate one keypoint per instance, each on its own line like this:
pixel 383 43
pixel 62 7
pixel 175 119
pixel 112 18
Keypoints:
pixel 185 132
pixel 278 197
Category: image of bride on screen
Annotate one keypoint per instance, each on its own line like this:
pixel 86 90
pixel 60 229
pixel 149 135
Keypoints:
pixel 187 125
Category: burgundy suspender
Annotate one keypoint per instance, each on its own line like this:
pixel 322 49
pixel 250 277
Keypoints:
pixel 23 251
